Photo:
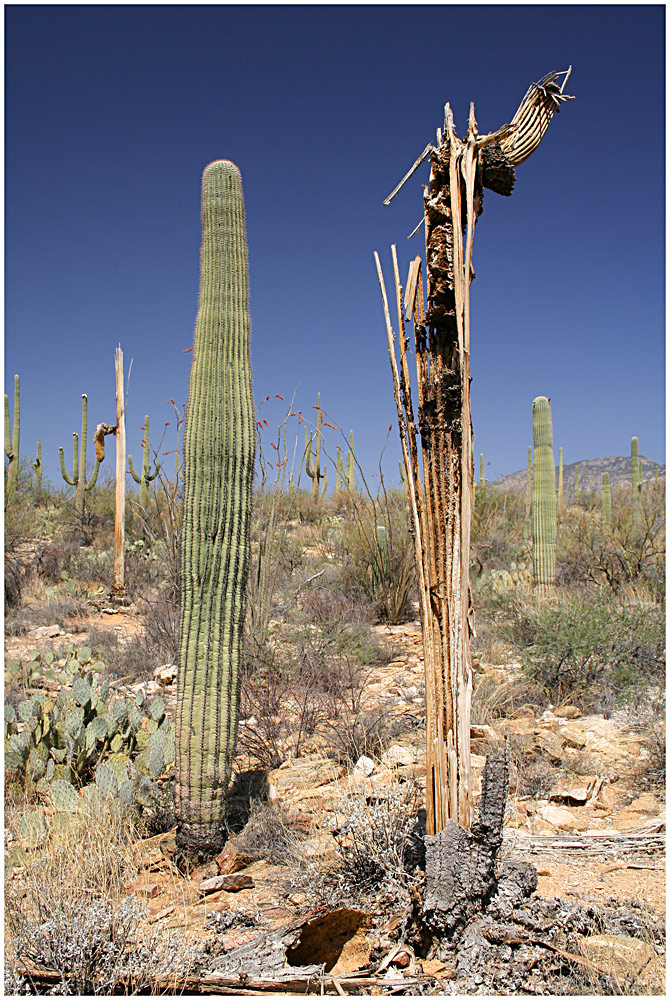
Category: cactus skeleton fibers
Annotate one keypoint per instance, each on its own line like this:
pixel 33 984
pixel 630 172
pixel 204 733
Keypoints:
pixel 544 497
pixel 219 449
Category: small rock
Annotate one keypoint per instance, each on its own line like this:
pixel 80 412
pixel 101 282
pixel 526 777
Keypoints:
pixel 482 732
pixel 552 744
pixel 364 767
pixel 232 860
pixel 227 883
pixel 398 756
pixel 45 632
pixel 573 737
pixel 563 818
pixel 568 712
pixel 402 959
pixel 148 889
pixel 617 954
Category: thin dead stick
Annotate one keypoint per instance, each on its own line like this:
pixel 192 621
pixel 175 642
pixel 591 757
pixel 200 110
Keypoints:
pixel 409 173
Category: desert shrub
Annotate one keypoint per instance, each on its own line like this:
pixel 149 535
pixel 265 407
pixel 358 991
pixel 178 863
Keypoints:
pixel 629 554
pixel 378 554
pixel 374 841
pixel 496 529
pixel 581 649
pixel 68 910
pixel 271 834
pixel 353 735
pixel 314 667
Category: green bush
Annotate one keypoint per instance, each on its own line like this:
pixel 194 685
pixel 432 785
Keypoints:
pixel 585 649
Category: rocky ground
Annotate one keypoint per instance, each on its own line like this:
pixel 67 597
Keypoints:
pixel 579 809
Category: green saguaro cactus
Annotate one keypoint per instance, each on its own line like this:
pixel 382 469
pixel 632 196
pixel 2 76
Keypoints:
pixel 544 497
pixel 636 498
pixel 344 473
pixel 219 448
pixel 606 503
pixel 559 496
pixel 37 466
pixel 78 477
pixel 12 443
pixel 313 456
pixel 576 483
pixel 146 475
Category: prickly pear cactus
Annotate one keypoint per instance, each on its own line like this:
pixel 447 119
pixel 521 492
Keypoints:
pixel 544 497
pixel 81 737
pixel 219 452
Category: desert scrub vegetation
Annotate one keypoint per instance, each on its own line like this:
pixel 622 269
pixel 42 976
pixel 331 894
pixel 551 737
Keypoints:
pixel 71 911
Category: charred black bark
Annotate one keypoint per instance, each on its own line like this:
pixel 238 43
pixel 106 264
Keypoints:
pixel 460 864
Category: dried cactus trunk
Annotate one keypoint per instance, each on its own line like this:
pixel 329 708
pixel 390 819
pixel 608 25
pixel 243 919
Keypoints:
pixel 219 450
pixel 544 497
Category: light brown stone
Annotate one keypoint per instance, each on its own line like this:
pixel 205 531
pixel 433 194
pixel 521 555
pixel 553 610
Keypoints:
pixel 226 883
pixel 562 818
pixel 568 712
pixel 551 744
pixel 232 860
pixel 573 737
pixel 617 954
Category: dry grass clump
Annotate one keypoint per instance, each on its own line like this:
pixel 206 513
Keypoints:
pixel 68 910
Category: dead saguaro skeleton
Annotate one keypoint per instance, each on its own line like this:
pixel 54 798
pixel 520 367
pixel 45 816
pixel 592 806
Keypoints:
pixel 440 494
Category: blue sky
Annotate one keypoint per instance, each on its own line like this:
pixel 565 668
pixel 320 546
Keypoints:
pixel 112 112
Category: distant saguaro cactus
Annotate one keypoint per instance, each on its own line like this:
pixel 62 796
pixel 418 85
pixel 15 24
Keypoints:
pixel 559 496
pixel 544 497
pixel 636 498
pixel 12 442
pixel 606 503
pixel 146 476
pixel 78 477
pixel 37 466
pixel 313 456
pixel 219 449
pixel 576 483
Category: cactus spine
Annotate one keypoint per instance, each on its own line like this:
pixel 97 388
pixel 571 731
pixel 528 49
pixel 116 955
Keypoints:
pixel 37 466
pixel 636 498
pixel 313 457
pixel 606 503
pixel 12 443
pixel 78 477
pixel 544 497
pixel 219 450
pixel 560 479
pixel 146 475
